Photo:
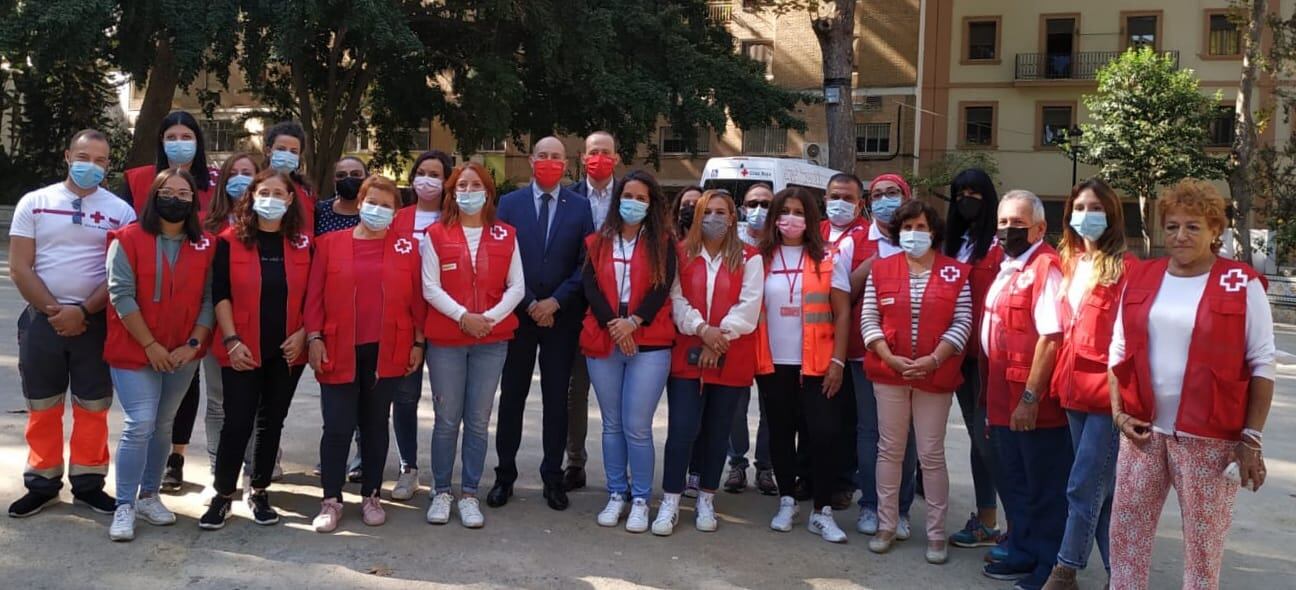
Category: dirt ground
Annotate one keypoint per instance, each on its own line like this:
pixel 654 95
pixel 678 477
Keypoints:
pixel 527 545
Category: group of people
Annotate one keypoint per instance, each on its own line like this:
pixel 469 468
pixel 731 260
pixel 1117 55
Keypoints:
pixel 1090 382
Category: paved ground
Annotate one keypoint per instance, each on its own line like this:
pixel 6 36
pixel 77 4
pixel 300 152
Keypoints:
pixel 527 545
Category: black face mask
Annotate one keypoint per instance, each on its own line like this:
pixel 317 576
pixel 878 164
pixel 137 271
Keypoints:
pixel 1014 240
pixel 968 208
pixel 685 220
pixel 348 188
pixel 172 209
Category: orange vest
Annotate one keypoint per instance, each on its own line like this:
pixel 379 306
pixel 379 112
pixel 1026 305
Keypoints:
pixel 940 298
pixel 816 321
pixel 740 361
pixel 477 288
pixel 595 341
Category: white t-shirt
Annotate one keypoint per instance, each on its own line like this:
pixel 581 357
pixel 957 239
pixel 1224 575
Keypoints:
pixel 743 315
pixel 422 219
pixel 884 246
pixel 622 252
pixel 515 287
pixel 1171 321
pixel 1079 284
pixel 71 237
pixel 783 290
pixel 1045 313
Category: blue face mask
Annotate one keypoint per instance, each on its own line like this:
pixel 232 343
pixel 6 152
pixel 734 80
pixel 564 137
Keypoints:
pixel 915 243
pixel 1089 224
pixel 237 185
pixel 284 160
pixel 884 209
pixel 841 212
pixel 376 217
pixel 270 208
pixel 180 152
pixel 756 216
pixel 86 175
pixel 633 211
pixel 471 202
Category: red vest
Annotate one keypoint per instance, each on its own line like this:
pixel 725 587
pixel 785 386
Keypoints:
pixel 1080 375
pixel 402 291
pixel 739 368
pixel 245 292
pixel 595 341
pixel 891 281
pixel 1216 382
pixel 140 180
pixel 1012 345
pixel 171 319
pixel 478 289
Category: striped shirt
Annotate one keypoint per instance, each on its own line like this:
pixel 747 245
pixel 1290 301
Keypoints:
pixel 956 334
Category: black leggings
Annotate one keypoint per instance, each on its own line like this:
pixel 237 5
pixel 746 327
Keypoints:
pixel 791 397
pixel 257 399
pixel 188 412
pixel 364 403
pixel 701 417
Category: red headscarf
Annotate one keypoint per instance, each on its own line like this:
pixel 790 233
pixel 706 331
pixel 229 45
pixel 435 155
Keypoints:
pixel 896 178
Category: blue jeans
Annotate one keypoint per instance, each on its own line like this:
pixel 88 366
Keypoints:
pixel 698 426
pixel 740 436
pixel 463 381
pixel 1032 472
pixel 866 441
pixel 1089 489
pixel 628 389
pixel 149 400
pixel 405 417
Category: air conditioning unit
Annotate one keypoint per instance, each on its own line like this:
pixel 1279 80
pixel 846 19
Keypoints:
pixel 817 153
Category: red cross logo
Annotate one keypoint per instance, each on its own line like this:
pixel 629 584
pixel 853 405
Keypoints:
pixel 202 244
pixel 97 217
pixel 498 232
pixel 950 274
pixel 404 246
pixel 301 242
pixel 1234 280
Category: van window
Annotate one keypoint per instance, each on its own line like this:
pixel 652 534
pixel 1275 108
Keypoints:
pixel 818 193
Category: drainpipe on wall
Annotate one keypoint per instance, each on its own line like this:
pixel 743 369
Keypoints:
pixel 918 95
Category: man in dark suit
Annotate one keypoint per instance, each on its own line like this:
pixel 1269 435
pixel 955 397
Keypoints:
pixel 551 224
pixel 600 161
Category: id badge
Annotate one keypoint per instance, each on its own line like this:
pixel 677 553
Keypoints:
pixel 790 311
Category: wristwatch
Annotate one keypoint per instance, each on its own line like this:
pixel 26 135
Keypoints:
pixel 1029 397
pixel 193 343
pixel 422 344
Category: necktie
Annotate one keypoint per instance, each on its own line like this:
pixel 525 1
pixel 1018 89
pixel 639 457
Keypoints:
pixel 544 220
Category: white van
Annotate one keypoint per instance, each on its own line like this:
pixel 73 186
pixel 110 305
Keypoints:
pixel 737 174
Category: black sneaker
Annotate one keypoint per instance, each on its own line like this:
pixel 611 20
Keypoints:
pixel 1005 572
pixel 173 477
pixel 737 481
pixel 97 501
pixel 216 513
pixel 765 482
pixel 31 503
pixel 259 505
pixel 355 475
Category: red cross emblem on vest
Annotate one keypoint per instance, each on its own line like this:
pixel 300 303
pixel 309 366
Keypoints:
pixel 1234 280
pixel 97 217
pixel 301 242
pixel 949 274
pixel 404 246
pixel 498 232
pixel 202 244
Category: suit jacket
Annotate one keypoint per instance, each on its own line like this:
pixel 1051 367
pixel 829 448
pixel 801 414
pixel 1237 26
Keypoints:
pixel 554 270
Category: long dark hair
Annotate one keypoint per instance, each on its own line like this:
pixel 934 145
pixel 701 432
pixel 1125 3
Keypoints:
pixel 981 231
pixel 656 227
pixel 201 177
pixel 772 239
pixel 220 208
pixel 151 220
pixel 245 219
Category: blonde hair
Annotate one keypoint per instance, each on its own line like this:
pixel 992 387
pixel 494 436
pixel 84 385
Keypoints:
pixel 731 249
pixel 1194 197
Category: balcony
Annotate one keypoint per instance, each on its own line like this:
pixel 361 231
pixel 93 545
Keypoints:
pixel 1084 65
pixel 720 11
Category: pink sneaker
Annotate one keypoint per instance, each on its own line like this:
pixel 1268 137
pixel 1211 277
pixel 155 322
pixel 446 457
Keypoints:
pixel 373 511
pixel 329 516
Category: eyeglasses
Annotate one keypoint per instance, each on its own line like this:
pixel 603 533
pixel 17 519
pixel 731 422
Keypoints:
pixel 341 174
pixel 77 215
pixel 891 193
pixel 184 195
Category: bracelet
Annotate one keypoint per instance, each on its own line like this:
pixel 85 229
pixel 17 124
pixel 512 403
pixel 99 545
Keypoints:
pixel 1253 434
pixel 422 344
pixel 150 344
pixel 84 312
pixel 235 347
pixel 838 362
pixel 314 338
pixel 231 338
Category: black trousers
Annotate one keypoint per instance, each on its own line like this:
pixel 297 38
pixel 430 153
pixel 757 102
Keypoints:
pixel 790 398
pixel 257 399
pixel 187 414
pixel 700 420
pixel 365 403
pixel 557 348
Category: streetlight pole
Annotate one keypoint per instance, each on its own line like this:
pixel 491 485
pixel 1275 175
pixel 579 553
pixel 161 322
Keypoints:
pixel 1073 139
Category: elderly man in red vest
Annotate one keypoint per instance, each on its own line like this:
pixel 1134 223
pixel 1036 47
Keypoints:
pixel 1020 333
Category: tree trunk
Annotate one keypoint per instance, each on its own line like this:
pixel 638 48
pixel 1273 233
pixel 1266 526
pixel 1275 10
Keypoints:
pixel 836 34
pixel 1145 211
pixel 1245 139
pixel 162 81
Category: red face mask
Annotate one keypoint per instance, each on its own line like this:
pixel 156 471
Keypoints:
pixel 548 172
pixel 599 167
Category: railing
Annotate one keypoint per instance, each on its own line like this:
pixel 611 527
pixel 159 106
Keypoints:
pixel 720 11
pixel 1082 65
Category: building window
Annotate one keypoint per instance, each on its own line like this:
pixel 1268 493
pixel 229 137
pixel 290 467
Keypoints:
pixel 1055 123
pixel 872 139
pixel 978 125
pixel 1142 30
pixel 1223 39
pixel 1221 129
pixel 672 141
pixel 357 142
pixel 868 104
pixel 765 140
pixel 419 139
pixel 761 51
pixel 981 36
pixel 223 135
pixel 492 145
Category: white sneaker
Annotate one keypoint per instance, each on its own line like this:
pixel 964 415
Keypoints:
pixel 667 515
pixel 787 512
pixel 470 514
pixel 154 512
pixel 439 511
pixel 123 524
pixel 822 524
pixel 902 529
pixel 611 513
pixel 406 485
pixel 638 520
pixel 706 516
pixel 868 521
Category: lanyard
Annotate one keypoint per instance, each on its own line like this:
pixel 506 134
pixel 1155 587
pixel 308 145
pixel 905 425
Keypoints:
pixel 788 274
pixel 625 264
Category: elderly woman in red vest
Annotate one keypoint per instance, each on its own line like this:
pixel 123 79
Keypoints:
pixel 716 305
pixel 472 277
pixel 364 325
pixel 159 321
pixel 1192 364
pixel 916 320
pixel 259 286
